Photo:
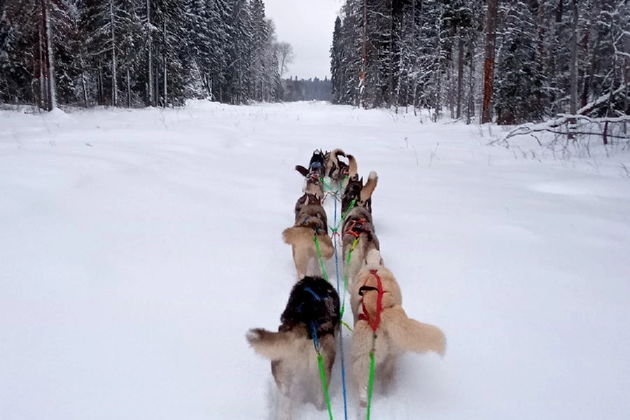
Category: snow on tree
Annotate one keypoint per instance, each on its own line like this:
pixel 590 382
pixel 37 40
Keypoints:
pixel 137 52
pixel 430 54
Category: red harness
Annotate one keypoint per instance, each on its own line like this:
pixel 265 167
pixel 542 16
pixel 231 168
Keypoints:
pixel 365 316
pixel 355 227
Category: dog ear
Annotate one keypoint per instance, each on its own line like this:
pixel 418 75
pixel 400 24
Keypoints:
pixel 411 335
pixel 302 170
pixel 368 189
pixel 352 166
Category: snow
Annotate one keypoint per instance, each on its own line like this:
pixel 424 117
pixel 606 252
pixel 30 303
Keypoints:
pixel 138 246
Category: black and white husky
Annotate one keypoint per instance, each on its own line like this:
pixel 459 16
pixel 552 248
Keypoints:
pixel 309 321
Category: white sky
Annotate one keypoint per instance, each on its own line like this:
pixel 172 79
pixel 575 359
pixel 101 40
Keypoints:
pixel 308 26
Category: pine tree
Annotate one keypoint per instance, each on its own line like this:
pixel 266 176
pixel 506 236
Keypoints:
pixel 519 82
pixel 336 57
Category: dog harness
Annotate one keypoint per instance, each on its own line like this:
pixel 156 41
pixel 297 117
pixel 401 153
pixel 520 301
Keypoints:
pixel 365 316
pixel 315 166
pixel 356 227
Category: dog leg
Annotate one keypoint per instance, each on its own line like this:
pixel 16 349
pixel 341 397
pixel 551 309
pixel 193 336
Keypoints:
pixel 386 373
pixel 301 258
pixel 329 352
pixel 362 412
pixel 284 409
pixel 283 375
pixel 361 346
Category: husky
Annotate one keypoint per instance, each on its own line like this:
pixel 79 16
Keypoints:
pixel 314 174
pixel 358 234
pixel 310 223
pixel 358 238
pixel 335 168
pixel 306 200
pixel 382 325
pixel 359 194
pixel 316 164
pixel 309 321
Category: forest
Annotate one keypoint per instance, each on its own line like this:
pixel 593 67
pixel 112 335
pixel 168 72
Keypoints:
pixel 511 61
pixel 138 52
pixel 508 61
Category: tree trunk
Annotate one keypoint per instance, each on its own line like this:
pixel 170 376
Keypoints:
pixel 83 82
pixel 150 59
pixel 488 66
pixel 390 90
pixel 50 59
pixel 573 69
pixel 43 100
pixel 363 76
pixel 586 77
pixel 165 89
pixel 101 88
pixel 460 75
pixel 128 89
pixel 113 37
pixel 470 108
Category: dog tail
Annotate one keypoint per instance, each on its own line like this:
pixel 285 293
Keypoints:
pixel 337 152
pixel 411 335
pixel 325 246
pixel 301 169
pixel 303 235
pixel 370 185
pixel 353 168
pixel 297 234
pixel 272 345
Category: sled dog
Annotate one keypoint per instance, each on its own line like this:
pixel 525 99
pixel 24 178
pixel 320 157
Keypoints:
pixel 310 319
pixel 315 165
pixel 310 223
pixel 358 193
pixel 335 168
pixel 314 174
pixel 381 324
pixel 358 234
pixel 306 200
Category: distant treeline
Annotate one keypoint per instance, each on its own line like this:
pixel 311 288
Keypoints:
pixel 307 89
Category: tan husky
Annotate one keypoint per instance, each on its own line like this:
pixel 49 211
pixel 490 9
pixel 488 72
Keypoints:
pixel 310 223
pixel 382 325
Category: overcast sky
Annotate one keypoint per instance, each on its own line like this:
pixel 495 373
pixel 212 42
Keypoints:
pixel 308 26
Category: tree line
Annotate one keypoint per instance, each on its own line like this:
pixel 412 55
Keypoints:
pixel 138 52
pixel 512 60
pixel 313 89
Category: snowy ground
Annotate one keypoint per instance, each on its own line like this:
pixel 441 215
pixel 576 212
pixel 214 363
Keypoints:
pixel 137 247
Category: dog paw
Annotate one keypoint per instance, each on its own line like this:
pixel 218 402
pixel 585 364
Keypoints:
pixel 362 411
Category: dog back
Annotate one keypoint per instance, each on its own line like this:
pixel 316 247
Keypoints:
pixel 313 303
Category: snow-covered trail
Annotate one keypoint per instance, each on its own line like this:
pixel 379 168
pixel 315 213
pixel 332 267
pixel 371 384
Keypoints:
pixel 137 248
